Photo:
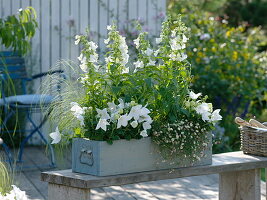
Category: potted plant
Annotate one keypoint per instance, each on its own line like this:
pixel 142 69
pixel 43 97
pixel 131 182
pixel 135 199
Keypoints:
pixel 140 117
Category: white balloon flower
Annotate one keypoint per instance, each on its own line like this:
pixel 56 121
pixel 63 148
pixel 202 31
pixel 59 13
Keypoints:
pixel 56 136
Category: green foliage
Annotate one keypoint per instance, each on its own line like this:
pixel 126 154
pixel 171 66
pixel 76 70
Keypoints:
pixel 122 100
pixel 254 12
pixel 226 66
pixel 5 179
pixel 16 31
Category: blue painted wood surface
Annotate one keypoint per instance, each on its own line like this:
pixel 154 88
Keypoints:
pixel 102 159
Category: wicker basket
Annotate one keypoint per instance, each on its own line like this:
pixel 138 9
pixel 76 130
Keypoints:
pixel 253 141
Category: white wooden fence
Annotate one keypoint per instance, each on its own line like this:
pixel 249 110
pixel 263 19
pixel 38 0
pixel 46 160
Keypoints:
pixel 60 20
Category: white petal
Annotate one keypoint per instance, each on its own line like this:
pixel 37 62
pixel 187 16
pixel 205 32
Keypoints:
pixel 146 125
pixel 56 136
pixel 134 124
pixel 194 96
pixel 144 133
pixel 102 124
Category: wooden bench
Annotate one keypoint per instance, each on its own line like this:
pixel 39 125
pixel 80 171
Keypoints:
pixel 239 178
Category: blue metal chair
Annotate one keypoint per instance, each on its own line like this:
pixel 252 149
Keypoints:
pixel 12 67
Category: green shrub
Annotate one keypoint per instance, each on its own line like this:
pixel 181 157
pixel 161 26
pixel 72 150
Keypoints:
pixel 225 66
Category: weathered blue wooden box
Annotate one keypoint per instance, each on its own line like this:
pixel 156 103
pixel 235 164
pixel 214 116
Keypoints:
pixel 102 159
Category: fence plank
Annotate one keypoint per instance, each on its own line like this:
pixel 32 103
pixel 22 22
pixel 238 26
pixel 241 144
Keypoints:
pixel 55 31
pixel 7 4
pixel 133 10
pixel 45 37
pixel 84 15
pixel 123 13
pixel 36 41
pixel 94 19
pixel 103 18
pixel 152 13
pixel 15 6
pixel 66 23
pixel 25 3
pixel 74 5
pixel 142 11
pixel 113 11
pixel 161 13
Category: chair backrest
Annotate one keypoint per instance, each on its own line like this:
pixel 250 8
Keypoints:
pixel 12 65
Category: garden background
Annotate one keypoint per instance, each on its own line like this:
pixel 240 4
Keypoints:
pixel 227 46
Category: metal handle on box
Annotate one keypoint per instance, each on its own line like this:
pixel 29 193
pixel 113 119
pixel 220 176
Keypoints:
pixel 86 157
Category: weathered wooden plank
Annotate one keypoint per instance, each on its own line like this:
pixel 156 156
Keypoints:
pixel 152 14
pixel 133 10
pixel 26 185
pixel 61 192
pixel 25 3
pixel 34 159
pixel 34 178
pixel 240 185
pixel 100 194
pixel 94 20
pixel 113 11
pixel 66 24
pixel 142 11
pixel 199 186
pixel 123 13
pixel 138 192
pixel 84 15
pixel 45 37
pixel 7 8
pixel 75 29
pixel 103 18
pixel 117 193
pixel 161 13
pixel 165 189
pixel 226 162
pixel 55 32
pixel 15 6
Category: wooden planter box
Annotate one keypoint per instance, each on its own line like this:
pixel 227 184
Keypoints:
pixel 102 159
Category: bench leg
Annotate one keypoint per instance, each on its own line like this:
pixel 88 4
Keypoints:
pixel 240 185
pixel 61 192
pixel 266 181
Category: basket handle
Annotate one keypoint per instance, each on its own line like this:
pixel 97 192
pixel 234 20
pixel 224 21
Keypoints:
pixel 241 122
pixel 255 123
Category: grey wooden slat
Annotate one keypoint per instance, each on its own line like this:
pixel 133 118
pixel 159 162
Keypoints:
pixel 24 184
pixel 197 186
pixel 226 162
pixel 99 194
pixel 209 187
pixel 37 157
pixel 40 186
pixel 34 158
pixel 138 192
pixel 169 189
pixel 117 193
